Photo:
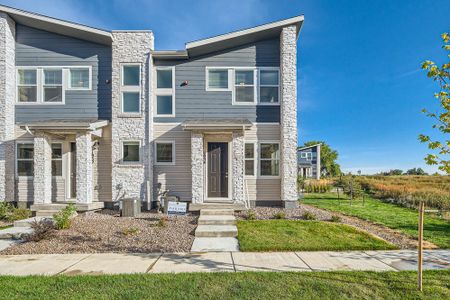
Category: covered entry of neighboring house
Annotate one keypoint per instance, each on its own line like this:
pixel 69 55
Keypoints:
pixel 60 161
pixel 217 160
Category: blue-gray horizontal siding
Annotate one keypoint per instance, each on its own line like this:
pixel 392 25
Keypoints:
pixel 193 101
pixel 41 48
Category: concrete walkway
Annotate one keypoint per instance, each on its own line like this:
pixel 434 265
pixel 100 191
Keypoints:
pixel 116 263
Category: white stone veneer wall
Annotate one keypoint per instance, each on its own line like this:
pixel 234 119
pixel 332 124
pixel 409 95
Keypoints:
pixel 131 47
pixel 238 167
pixel 42 168
pixel 197 167
pixel 7 102
pixel 85 176
pixel 288 122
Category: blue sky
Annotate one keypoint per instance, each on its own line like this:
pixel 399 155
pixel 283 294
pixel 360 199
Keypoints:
pixel 360 87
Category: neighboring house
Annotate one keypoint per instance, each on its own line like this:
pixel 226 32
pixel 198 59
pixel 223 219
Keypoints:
pixel 90 116
pixel 309 162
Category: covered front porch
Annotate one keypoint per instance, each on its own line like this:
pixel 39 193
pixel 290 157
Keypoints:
pixel 218 162
pixel 64 163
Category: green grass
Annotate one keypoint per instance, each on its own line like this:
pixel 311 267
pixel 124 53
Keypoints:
pixel 4 227
pixel 288 235
pixel 436 230
pixel 256 285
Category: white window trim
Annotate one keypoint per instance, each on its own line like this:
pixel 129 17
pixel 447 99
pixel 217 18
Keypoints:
pixel 259 85
pixel 259 160
pixel 309 156
pixel 303 155
pixel 230 79
pixel 62 85
pixel 173 153
pixel 130 163
pixel 255 160
pixel 131 89
pixel 163 92
pixel 23 142
pixel 25 85
pixel 255 85
pixel 69 79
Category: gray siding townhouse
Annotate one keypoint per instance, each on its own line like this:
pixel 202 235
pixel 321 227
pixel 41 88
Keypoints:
pixel 309 162
pixel 91 116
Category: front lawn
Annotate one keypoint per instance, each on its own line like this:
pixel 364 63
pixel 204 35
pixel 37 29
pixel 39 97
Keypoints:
pixel 403 219
pixel 251 285
pixel 288 235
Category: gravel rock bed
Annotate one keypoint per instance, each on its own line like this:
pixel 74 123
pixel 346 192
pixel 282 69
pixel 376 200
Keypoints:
pixel 107 232
pixel 397 238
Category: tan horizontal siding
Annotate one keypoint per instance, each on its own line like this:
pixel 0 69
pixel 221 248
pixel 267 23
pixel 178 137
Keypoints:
pixel 25 189
pixel 103 168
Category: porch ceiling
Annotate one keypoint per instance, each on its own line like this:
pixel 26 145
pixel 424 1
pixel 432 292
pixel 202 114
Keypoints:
pixel 216 124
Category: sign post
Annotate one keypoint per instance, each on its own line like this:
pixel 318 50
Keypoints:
pixel 420 247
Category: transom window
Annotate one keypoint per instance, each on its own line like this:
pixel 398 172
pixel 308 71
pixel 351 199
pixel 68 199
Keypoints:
pixel 244 86
pixel 250 159
pixel 131 88
pixel 269 86
pixel 56 159
pixel 270 159
pixel 165 153
pixel 165 98
pixel 25 159
pixel 131 151
pixel 217 80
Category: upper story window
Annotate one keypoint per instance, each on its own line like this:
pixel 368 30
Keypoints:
pixel 131 88
pixel 80 78
pixel 165 92
pixel 249 86
pixel 53 85
pixel 48 85
pixel 217 79
pixel 269 88
pixel 27 85
pixel 306 155
pixel 244 87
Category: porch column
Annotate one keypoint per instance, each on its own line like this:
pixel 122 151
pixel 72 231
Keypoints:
pixel 288 121
pixel 197 168
pixel 85 178
pixel 238 166
pixel 7 106
pixel 42 168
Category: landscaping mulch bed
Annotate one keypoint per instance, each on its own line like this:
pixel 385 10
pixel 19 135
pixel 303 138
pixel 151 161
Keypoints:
pixel 397 238
pixel 107 232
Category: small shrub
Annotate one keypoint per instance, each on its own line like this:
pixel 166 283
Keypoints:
pixel 309 216
pixel 163 221
pixel 42 229
pixel 131 231
pixel 251 215
pixel 5 208
pixel 335 218
pixel 279 215
pixel 18 214
pixel 63 219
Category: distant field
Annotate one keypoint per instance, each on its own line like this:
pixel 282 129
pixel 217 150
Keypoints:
pixel 410 190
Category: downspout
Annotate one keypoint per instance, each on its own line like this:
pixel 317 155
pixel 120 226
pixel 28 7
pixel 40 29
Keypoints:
pixel 150 135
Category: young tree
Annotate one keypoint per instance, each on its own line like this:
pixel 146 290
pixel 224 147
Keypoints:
pixel 441 117
pixel 328 157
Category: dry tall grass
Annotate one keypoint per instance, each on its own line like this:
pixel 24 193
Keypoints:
pixel 410 190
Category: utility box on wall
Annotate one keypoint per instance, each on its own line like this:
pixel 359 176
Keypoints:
pixel 131 207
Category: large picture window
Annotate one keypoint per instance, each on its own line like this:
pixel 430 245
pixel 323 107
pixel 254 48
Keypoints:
pixel 131 89
pixel 269 159
pixel 165 98
pixel 25 159
pixel 250 159
pixel 165 153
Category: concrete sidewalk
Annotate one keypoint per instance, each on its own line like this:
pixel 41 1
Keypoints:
pixel 116 263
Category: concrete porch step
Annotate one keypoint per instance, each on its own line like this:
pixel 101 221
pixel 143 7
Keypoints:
pixel 214 244
pixel 210 205
pixel 216 220
pixel 216 231
pixel 220 212
pixel 46 213
pixel 14 233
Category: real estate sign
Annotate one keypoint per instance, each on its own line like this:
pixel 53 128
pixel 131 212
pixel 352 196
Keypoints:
pixel 176 208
